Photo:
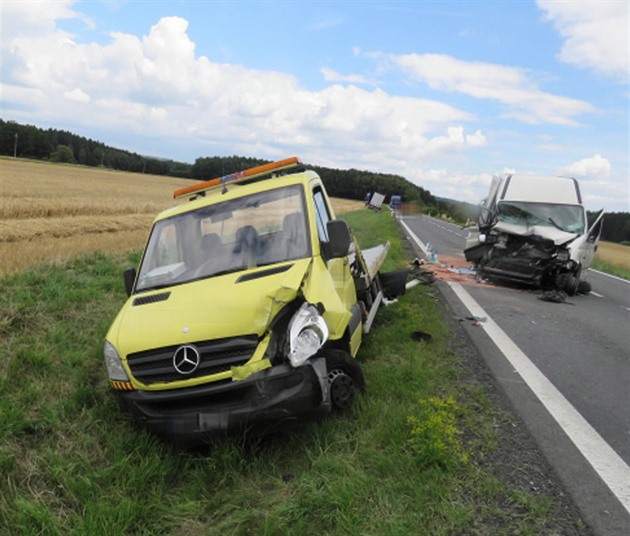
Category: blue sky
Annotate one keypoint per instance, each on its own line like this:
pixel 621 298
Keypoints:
pixel 443 93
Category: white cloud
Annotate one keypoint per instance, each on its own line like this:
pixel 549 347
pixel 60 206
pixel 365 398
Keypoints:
pixel 32 18
pixel 333 76
pixel 509 86
pixel 595 167
pixel 477 139
pixel 595 32
pixel 156 85
pixel 452 184
pixel 77 95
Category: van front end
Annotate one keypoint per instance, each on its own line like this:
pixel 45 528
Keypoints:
pixel 276 398
pixel 190 392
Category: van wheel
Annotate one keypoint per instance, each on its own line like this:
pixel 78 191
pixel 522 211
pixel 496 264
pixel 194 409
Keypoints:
pixel 571 285
pixel 584 287
pixel 345 379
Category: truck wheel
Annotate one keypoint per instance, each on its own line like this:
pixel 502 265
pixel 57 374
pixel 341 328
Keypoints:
pixel 584 287
pixel 571 285
pixel 345 379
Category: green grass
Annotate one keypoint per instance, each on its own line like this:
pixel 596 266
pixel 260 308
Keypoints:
pixel 71 462
pixel 610 269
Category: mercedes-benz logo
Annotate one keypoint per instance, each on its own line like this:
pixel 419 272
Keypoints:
pixel 186 359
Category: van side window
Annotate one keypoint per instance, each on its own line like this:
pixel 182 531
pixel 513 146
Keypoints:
pixel 322 215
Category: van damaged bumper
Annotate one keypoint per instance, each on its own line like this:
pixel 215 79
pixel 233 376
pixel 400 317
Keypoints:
pixel 277 398
pixel 532 260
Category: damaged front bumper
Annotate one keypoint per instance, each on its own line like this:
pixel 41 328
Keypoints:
pixel 531 260
pixel 274 399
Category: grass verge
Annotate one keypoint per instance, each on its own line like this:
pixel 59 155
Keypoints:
pixel 420 453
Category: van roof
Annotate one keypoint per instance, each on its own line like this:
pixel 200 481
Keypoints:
pixel 541 189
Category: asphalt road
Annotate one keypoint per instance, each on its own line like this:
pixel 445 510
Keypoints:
pixel 565 367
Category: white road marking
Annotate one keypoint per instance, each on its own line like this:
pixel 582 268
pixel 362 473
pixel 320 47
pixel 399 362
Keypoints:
pixel 607 463
pixel 610 275
pixel 418 242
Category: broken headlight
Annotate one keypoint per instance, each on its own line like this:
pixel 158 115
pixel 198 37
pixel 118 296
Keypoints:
pixel 562 255
pixel 307 333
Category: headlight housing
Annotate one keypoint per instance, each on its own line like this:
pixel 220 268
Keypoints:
pixel 115 369
pixel 307 333
pixel 563 255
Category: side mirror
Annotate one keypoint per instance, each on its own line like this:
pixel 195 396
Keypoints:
pixel 339 238
pixel 129 276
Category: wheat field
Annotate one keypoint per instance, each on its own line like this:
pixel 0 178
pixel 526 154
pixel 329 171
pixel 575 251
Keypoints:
pixel 612 254
pixel 52 212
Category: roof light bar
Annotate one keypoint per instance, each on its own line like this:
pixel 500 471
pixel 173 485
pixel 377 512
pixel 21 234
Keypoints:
pixel 250 173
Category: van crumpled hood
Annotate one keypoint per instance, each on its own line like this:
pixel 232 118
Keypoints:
pixel 235 304
pixel 550 233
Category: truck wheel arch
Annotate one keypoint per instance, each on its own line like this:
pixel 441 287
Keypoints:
pixel 345 378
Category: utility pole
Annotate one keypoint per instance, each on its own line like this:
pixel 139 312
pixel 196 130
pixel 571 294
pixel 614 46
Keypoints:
pixel 15 146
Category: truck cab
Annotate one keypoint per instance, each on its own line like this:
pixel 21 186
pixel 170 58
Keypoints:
pixel 247 310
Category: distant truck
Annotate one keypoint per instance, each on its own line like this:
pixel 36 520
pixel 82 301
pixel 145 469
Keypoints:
pixel 248 309
pixel 533 230
pixel 374 200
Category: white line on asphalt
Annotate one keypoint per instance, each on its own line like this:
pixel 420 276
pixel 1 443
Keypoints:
pixel 610 275
pixel 418 242
pixel 606 462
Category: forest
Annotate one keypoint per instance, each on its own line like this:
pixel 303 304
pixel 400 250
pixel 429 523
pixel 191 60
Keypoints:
pixel 27 141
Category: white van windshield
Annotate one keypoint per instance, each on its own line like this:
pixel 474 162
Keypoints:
pixel 255 230
pixel 568 218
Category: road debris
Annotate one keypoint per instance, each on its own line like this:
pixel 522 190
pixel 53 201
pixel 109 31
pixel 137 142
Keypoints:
pixel 555 296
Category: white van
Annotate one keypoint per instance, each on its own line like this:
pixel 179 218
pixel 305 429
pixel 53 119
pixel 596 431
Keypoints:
pixel 533 229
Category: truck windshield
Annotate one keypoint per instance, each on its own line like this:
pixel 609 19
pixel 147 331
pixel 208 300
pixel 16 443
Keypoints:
pixel 238 234
pixel 568 218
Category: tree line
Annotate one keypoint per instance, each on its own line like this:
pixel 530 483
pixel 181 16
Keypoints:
pixel 27 141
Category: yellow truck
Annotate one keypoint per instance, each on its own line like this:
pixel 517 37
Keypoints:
pixel 247 310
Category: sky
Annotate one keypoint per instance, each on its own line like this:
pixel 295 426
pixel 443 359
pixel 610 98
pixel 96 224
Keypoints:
pixel 444 93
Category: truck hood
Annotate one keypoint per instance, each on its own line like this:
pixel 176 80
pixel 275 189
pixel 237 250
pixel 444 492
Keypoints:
pixel 241 303
pixel 551 233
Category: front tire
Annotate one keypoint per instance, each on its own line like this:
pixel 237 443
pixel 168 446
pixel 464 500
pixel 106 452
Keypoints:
pixel 571 285
pixel 584 287
pixel 345 379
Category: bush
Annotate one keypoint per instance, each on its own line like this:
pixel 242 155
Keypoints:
pixel 434 436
